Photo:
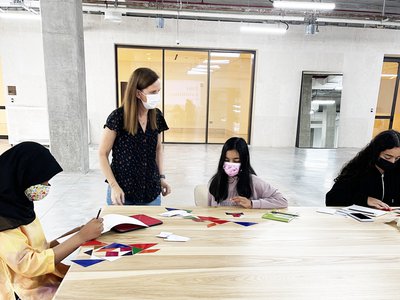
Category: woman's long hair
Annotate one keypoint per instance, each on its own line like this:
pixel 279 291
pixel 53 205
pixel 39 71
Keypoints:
pixel 219 182
pixel 140 79
pixel 367 157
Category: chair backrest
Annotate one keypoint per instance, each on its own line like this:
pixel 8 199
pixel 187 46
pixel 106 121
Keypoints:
pixel 201 195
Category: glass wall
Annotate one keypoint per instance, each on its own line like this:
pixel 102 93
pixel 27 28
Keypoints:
pixel 207 94
pixel 388 108
pixel 230 95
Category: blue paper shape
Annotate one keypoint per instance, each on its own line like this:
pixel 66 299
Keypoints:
pixel 86 262
pixel 115 245
pixel 245 223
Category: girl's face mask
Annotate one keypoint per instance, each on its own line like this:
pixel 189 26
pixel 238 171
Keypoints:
pixel 231 169
pixel 37 192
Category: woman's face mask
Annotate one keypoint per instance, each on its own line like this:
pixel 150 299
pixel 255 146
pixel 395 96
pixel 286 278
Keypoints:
pixel 37 192
pixel 152 100
pixel 231 169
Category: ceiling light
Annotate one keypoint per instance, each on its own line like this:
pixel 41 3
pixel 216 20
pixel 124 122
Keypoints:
pixel 323 102
pixel 225 54
pixel 113 16
pixel 217 61
pixel 195 73
pixel 211 67
pixel 26 16
pixel 263 29
pixel 304 5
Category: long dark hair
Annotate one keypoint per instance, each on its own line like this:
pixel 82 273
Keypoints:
pixel 219 182
pixel 367 157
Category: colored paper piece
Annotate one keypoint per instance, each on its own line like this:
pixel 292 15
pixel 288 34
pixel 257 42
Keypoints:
pixel 176 238
pixel 149 251
pixel 220 221
pixel 112 253
pixel 212 219
pixel 136 250
pixel 173 213
pixel 89 252
pixel 143 246
pixel 115 245
pixel 245 223
pixel 87 262
pixel 234 214
pixel 211 225
pixel 169 209
pixel 106 249
pixel 164 234
pixel 127 254
pixel 93 243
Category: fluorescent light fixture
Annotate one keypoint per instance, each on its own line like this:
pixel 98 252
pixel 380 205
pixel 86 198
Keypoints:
pixel 312 112
pixel 217 61
pixel 263 29
pixel 205 67
pixel 225 54
pixel 323 102
pixel 20 16
pixel 236 110
pixel 201 70
pixel 195 73
pixel 389 75
pixel 236 106
pixel 304 5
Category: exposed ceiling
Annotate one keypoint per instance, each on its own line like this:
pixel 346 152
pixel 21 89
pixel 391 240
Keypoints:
pixel 351 13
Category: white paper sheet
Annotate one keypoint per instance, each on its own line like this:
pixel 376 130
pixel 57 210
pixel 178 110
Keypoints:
pixel 111 220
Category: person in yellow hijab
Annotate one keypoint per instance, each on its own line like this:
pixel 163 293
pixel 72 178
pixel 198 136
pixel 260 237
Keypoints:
pixel 30 267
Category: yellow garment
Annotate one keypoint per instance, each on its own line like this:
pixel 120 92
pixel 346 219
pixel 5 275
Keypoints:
pixel 27 264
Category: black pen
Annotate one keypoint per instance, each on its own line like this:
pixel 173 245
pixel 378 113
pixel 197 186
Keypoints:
pixel 98 214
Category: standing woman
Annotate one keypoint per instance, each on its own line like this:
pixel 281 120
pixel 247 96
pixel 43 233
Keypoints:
pixel 372 177
pixel 133 133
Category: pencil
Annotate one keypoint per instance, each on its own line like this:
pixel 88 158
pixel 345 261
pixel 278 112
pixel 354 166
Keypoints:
pixel 98 214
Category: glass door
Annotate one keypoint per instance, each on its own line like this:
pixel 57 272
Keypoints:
pixel 231 82
pixel 185 96
pixel 388 107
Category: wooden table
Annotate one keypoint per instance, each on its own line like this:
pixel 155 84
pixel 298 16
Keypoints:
pixel 316 256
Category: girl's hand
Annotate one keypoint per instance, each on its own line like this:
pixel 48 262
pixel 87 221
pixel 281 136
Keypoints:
pixel 91 230
pixel 377 203
pixel 242 201
pixel 117 195
pixel 165 188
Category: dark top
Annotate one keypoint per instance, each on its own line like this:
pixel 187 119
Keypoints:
pixel 22 166
pixel 357 191
pixel 134 158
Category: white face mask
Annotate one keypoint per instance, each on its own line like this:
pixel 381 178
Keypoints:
pixel 152 100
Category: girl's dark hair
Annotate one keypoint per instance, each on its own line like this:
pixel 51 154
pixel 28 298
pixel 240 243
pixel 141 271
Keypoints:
pixel 219 182
pixel 367 157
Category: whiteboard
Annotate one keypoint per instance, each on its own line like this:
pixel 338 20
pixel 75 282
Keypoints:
pixel 27 123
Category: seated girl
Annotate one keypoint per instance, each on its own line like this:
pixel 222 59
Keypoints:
pixel 372 177
pixel 29 265
pixel 236 183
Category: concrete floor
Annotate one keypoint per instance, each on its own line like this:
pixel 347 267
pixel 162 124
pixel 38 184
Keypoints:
pixel 302 175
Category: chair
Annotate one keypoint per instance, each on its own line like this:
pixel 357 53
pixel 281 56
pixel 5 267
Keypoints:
pixel 201 195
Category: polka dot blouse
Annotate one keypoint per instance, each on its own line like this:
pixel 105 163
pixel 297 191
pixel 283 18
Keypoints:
pixel 134 158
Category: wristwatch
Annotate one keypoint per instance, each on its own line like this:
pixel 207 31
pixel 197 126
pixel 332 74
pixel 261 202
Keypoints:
pixel 162 176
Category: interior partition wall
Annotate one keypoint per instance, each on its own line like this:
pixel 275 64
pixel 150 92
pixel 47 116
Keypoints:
pixel 387 114
pixel 3 117
pixel 207 93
